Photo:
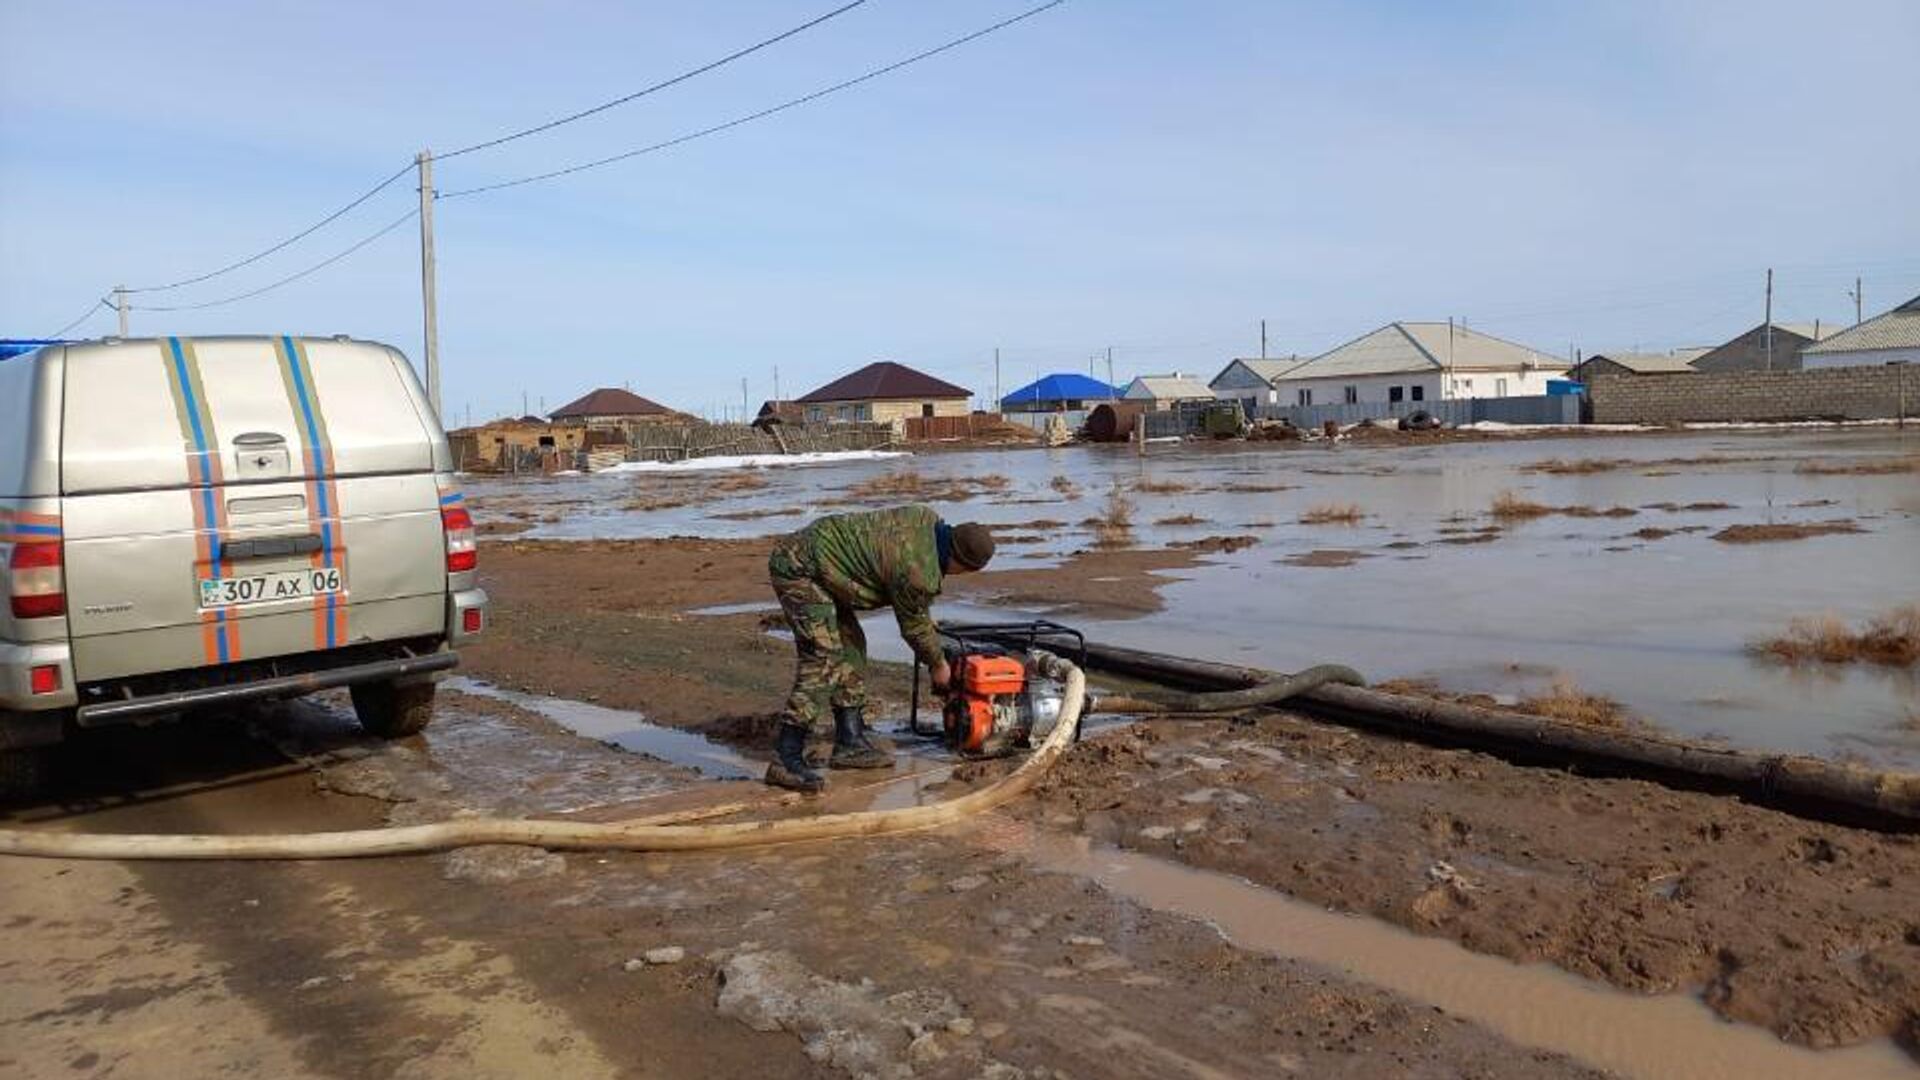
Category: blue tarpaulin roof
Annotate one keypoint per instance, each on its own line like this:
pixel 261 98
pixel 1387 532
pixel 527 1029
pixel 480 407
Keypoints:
pixel 12 347
pixel 1066 387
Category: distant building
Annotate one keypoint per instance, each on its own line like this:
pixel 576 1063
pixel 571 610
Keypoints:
pixel 1419 361
pixel 1250 382
pixel 1067 395
pixel 884 392
pixel 1748 352
pixel 781 412
pixel 1160 392
pixel 609 405
pixel 1626 363
pixel 1889 338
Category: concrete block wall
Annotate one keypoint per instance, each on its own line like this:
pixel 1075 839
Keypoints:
pixel 1855 393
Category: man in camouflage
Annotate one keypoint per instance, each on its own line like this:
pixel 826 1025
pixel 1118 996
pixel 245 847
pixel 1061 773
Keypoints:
pixel 826 574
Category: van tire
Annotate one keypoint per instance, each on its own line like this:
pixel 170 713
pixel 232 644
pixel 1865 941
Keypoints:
pixel 392 711
pixel 23 774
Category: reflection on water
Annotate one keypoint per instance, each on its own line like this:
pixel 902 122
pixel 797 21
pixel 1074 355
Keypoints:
pixel 627 730
pixel 1658 622
pixel 1532 1005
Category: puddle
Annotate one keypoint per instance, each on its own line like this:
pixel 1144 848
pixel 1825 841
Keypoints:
pixel 1528 1004
pixel 627 730
pixel 749 607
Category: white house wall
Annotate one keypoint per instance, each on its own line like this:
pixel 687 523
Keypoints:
pixel 1860 358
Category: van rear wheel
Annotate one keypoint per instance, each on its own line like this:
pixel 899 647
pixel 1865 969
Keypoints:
pixel 393 711
pixel 23 774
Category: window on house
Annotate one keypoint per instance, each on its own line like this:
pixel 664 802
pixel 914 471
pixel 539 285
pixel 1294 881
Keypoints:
pixel 926 409
pixel 546 440
pixel 1396 393
pixel 1499 388
pixel 1303 397
pixel 1419 393
pixel 1351 394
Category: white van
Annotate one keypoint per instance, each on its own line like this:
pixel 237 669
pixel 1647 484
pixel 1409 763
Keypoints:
pixel 195 521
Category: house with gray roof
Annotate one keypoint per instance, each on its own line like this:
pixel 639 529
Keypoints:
pixel 1419 361
pixel 1629 363
pixel 1250 382
pixel 1165 391
pixel 1889 338
pixel 1750 351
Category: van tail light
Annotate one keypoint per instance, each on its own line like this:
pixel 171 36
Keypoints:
pixel 461 552
pixel 36 581
pixel 44 679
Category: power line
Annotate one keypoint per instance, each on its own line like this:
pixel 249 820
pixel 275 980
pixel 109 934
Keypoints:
pixel 291 278
pixel 683 77
pixel 762 114
pixel 84 316
pixel 289 241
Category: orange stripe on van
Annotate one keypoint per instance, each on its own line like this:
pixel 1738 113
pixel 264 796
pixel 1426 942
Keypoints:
pixel 219 629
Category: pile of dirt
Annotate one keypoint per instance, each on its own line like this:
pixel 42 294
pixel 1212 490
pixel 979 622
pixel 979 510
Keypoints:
pixel 1333 514
pixel 1216 544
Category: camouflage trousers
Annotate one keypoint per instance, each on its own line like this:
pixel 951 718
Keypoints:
pixel 827 637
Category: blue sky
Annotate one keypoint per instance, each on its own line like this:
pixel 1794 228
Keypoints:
pixel 1154 177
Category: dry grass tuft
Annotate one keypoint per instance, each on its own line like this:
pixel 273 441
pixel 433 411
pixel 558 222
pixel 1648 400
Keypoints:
pixel 1182 519
pixel 1065 486
pixel 1256 489
pixel 888 485
pixel 1508 506
pixel 1578 467
pixel 1333 514
pixel 1114 527
pixel 1760 534
pixel 1566 702
pixel 739 481
pixel 1892 639
pixel 1879 467
pixel 910 484
pixel 1146 485
pixel 1221 544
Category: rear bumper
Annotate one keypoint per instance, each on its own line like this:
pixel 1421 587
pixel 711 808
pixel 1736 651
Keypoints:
pixel 124 710
pixel 18 660
pixel 458 605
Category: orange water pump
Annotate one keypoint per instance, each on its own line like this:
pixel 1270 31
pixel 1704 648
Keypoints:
pixel 997 702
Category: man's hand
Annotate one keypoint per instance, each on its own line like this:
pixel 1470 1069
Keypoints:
pixel 942 676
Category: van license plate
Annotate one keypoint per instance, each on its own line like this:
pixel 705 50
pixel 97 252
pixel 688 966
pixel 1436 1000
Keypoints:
pixel 269 588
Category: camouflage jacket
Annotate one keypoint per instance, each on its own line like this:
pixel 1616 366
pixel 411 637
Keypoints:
pixel 876 559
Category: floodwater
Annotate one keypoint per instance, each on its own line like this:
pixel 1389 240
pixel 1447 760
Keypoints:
pixel 1531 1005
pixel 1658 623
pixel 627 730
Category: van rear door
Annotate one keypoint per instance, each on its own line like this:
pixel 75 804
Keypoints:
pixel 229 499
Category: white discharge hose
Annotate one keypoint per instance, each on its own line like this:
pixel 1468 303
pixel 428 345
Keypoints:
pixel 642 835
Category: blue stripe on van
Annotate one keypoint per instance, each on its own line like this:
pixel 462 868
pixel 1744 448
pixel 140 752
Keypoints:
pixel 206 488
pixel 35 530
pixel 319 470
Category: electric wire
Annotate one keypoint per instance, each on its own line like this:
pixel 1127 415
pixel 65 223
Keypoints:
pixel 282 245
pixel 762 114
pixel 84 316
pixel 289 279
pixel 656 87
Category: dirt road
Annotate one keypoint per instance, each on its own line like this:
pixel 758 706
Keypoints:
pixel 1008 948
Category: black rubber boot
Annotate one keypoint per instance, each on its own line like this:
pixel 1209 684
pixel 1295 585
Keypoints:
pixel 790 768
pixel 851 747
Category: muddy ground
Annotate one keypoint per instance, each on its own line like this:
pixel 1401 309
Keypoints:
pixel 948 954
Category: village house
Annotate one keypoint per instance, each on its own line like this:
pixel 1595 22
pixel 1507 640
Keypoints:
pixel 1749 351
pixel 611 407
pixel 1068 395
pixel 1250 382
pixel 1162 392
pixel 1627 363
pixel 1419 361
pixel 1889 338
pixel 884 392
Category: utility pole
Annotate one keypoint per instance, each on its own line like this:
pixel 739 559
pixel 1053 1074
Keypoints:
pixel 744 407
pixel 430 316
pixel 1111 389
pixel 1855 294
pixel 120 305
pixel 996 380
pixel 523 403
pixel 776 384
pixel 1263 339
pixel 1769 329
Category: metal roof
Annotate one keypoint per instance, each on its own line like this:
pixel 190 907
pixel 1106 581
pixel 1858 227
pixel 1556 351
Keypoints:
pixel 1896 329
pixel 1167 388
pixel 1067 386
pixel 1642 363
pixel 1417 347
pixel 886 381
pixel 611 401
pixel 1265 368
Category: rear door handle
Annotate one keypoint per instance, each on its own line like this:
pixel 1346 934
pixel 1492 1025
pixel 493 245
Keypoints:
pixel 268 547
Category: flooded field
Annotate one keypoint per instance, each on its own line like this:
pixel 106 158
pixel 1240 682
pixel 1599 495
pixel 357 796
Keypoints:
pixel 1497 566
